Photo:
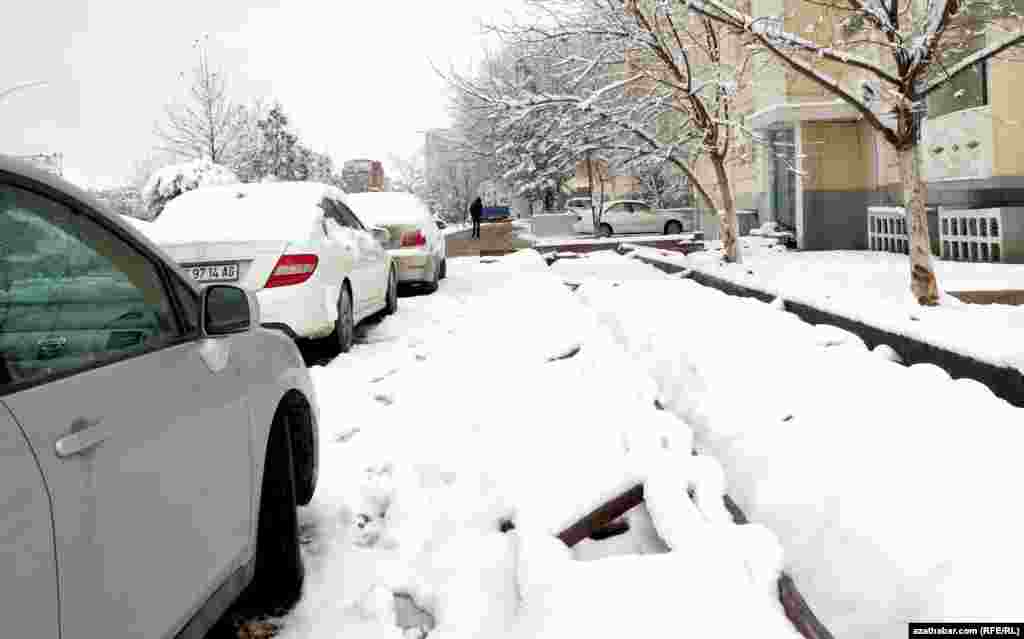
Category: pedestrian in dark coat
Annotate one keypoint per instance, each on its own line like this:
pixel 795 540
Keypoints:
pixel 476 209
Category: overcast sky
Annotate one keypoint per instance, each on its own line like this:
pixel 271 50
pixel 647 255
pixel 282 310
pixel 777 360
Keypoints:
pixel 354 75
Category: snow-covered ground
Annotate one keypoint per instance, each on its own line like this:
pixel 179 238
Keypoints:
pixel 468 408
pixel 873 287
pixel 891 488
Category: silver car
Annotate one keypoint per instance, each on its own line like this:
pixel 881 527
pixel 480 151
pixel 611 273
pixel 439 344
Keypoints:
pixel 155 439
pixel 417 244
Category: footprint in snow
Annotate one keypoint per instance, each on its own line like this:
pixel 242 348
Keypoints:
pixel 384 376
pixel 347 435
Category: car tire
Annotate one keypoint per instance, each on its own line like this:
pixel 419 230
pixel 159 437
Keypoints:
pixel 605 230
pixel 279 575
pixel 673 228
pixel 344 326
pixel 304 462
pixel 391 305
pixel 444 270
pixel 433 283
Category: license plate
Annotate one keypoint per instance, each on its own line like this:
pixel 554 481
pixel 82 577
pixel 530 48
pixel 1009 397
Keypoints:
pixel 213 272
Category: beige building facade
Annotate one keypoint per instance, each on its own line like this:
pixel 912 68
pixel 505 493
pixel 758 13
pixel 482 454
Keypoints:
pixel 818 169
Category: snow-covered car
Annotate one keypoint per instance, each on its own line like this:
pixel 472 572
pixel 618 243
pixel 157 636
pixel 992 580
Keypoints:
pixel 316 269
pixel 155 439
pixel 635 216
pixel 417 245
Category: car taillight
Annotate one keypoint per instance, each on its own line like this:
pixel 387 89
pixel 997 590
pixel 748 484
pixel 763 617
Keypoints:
pixel 414 239
pixel 292 269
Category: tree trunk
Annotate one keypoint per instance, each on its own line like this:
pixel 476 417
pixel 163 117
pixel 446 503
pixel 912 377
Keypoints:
pixel 595 217
pixel 923 283
pixel 727 214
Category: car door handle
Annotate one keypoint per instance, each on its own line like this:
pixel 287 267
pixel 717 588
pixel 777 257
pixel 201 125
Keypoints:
pixel 84 435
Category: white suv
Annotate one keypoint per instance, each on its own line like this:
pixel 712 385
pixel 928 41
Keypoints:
pixel 155 440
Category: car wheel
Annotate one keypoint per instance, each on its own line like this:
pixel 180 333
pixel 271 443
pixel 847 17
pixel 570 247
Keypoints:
pixel 673 228
pixel 304 461
pixel 277 584
pixel 432 284
pixel 444 270
pixel 344 326
pixel 605 231
pixel 392 301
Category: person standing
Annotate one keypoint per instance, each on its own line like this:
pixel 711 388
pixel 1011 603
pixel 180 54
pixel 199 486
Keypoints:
pixel 476 209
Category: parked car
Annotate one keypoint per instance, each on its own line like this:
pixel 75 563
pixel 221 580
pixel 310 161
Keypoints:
pixel 316 268
pixel 417 245
pixel 635 216
pixel 155 439
pixel 578 206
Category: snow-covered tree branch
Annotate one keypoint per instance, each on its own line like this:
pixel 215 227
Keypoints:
pixel 927 43
pixel 637 82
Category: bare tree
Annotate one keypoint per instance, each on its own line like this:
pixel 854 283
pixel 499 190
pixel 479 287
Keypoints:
pixel 208 125
pixel 409 173
pixel 908 49
pixel 634 82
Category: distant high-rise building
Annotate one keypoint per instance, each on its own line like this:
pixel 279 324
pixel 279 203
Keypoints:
pixel 362 175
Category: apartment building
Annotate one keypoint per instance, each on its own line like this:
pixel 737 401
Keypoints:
pixel 831 178
pixel 815 167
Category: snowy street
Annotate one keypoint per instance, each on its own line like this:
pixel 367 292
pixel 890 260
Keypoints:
pixel 448 419
pixel 512 319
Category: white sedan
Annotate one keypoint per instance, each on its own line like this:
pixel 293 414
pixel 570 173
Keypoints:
pixel 635 216
pixel 316 269
pixel 417 244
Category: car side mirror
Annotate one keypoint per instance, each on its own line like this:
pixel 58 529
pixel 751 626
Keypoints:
pixel 380 234
pixel 227 309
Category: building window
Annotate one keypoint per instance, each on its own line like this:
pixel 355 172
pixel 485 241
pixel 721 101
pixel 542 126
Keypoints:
pixel 965 251
pixel 994 227
pixel 945 250
pixel 995 253
pixel 974 251
pixel 974 226
pixel 963 226
pixel 956 251
pixel 945 226
pixel 952 223
pixel 967 90
pixel 983 227
pixel 984 251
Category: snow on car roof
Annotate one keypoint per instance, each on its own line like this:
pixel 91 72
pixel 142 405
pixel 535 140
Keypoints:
pixel 388 208
pixel 241 212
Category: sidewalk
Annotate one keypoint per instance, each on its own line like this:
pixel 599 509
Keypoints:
pixel 886 484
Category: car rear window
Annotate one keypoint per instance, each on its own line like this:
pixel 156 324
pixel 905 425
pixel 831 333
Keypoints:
pixel 385 209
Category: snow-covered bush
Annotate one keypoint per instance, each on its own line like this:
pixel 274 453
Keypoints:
pixel 171 181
